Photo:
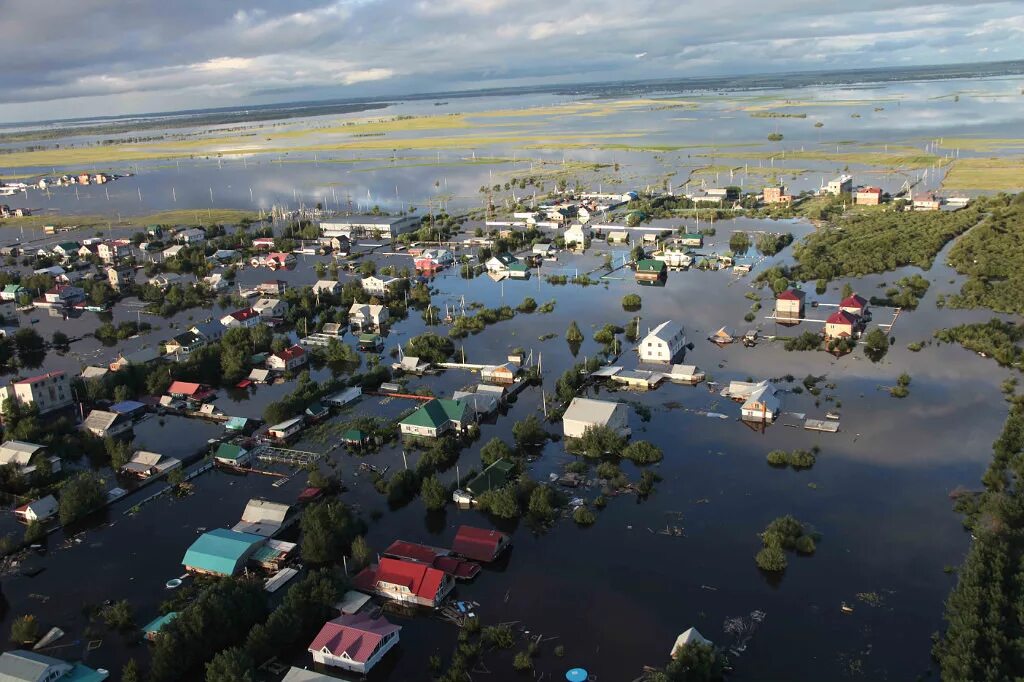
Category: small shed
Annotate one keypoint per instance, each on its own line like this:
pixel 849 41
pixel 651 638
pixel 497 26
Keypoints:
pixel 151 630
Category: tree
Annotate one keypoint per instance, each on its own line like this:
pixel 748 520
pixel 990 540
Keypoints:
pixel 583 516
pixel 25 629
pixel 434 494
pixel 642 452
pixel 231 665
pixel 631 302
pixel 540 506
pixel 328 529
pixel 502 502
pixel 130 672
pixel 876 344
pixel 81 496
pixel 30 346
pixel 771 558
pixel 494 450
pixel 599 441
pixel 118 616
pixel 361 552
pixel 529 433
pixel 739 242
pixel 573 335
pixel 367 268
pixel 60 340
pixel 430 347
pixel 34 532
pixel 175 477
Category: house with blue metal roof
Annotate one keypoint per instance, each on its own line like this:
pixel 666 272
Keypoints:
pixel 152 629
pixel 221 552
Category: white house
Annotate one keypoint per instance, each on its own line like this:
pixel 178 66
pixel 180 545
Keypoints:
pixel 26 457
pixel 577 234
pixel 268 308
pixel 288 359
pixel 31 666
pixel 500 262
pixel 326 286
pixel 377 227
pixel 584 413
pixel 192 235
pixel 762 405
pixel 663 343
pixel 39 510
pixel 354 642
pixel 378 286
pixel 367 315
pixel 47 392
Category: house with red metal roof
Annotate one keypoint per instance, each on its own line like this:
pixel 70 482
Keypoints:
pixel 840 324
pixel 288 359
pixel 355 643
pixel 479 544
pixel 868 196
pixel 246 317
pixel 405 581
pixel 854 304
pixel 186 389
pixel 789 305
pixel 439 558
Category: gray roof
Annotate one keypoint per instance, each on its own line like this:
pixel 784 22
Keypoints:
pixel 44 507
pixel 27 666
pixel 100 419
pixel 94 372
pixel 300 675
pixel 18 452
pixel 265 511
pixel 591 411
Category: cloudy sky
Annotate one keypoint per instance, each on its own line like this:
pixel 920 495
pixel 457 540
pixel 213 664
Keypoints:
pixel 93 57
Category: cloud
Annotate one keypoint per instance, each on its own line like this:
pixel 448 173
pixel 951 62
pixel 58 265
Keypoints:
pixel 113 56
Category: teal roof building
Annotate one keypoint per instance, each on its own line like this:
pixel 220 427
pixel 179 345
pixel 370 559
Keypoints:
pixel 221 552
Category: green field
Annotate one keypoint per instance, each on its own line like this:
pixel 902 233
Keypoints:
pixel 193 217
pixel 1002 174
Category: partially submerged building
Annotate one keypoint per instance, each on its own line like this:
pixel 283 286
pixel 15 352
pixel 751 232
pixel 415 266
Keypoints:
pixel 263 518
pixel 480 544
pixel 355 642
pixel 663 343
pixel 405 581
pixel 221 552
pixel 584 413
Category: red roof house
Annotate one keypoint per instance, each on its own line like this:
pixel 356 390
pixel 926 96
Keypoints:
pixel 288 359
pixel 839 324
pixel 405 581
pixel 356 642
pixel 854 304
pixel 440 559
pixel 185 389
pixel 479 544
pixel 247 317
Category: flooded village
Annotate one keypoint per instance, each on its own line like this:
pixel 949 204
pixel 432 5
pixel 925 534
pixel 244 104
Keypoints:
pixel 397 427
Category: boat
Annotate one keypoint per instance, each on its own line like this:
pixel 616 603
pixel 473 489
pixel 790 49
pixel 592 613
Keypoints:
pixel 831 415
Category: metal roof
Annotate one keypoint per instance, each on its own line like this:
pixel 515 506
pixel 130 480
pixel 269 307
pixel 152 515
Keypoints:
pixel 591 411
pixel 221 551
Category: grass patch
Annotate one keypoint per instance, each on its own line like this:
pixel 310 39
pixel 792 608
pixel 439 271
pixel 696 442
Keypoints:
pixel 183 217
pixel 986 174
pixel 864 158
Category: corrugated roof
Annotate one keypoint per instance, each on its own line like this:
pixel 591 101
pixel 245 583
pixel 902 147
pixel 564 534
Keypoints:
pixel 356 636
pixel 220 551
pixel 590 410
pixel 436 413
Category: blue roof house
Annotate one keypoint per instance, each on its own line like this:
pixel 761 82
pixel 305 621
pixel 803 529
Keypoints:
pixel 221 552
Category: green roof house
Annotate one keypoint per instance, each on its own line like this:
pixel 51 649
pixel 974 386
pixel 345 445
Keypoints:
pixel 435 418
pixel 231 454
pixel 497 475
pixel 152 629
pixel 519 271
pixel 648 270
pixel 692 239
pixel 221 552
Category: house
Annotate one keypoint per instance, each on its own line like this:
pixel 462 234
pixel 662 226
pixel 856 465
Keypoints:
pixel 840 324
pixel 723 336
pixel 327 286
pixel 288 359
pixel 16 293
pixel 106 424
pixel 378 286
pixel 66 250
pixel 129 408
pixel 694 239
pixel 272 288
pixel 789 305
pixel 303 675
pixel 494 476
pixel 259 376
pixel 143 356
pixel 504 373
pixel 29 666
pixel 184 344
pixel 145 464
pixel 216 282
pixel 376 227
pixel 47 392
pixel 371 343
pixel 64 294
pixel 618 237
pixel 187 390
pixel 341 246
pixel 26 457
pixel 689 636
pixel 231 454
pixel 367 316
pixel 500 262
pixel 776 194
pixel 193 235
pixel 405 581
pixel 434 418
pixel 262 517
pixel 577 234
pixel 685 374
pixel 270 308
pixel 519 271
pixel 120 276
pixel 152 629
pixel 245 318
pixel 926 202
pixel 224 255
pixel 841 185
pixel 868 196
pixel 650 270
pixel 854 304
pixel 40 510
pixel 211 331
pixel 355 643
pixel 663 343
pixel 166 280
pixel 220 552
pixel 114 250
pixel 343 398
pixel 273 260
pixel 477 403
pixel 172 251
pixel 93 372
pixel 480 544
pixel 543 249
pixel 584 413
pixel 286 429
pixel 762 405
pixel 334 330
pixel 263 243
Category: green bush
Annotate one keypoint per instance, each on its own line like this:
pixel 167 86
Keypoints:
pixel 583 516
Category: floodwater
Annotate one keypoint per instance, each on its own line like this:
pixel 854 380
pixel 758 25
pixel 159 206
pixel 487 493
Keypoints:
pixel 616 594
